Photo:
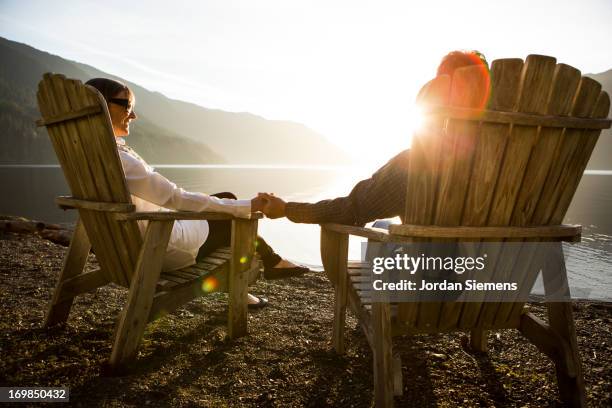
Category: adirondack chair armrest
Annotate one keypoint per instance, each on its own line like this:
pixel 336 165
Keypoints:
pixel 563 232
pixel 375 234
pixel 180 215
pixel 70 203
pixel 407 232
pixel 126 211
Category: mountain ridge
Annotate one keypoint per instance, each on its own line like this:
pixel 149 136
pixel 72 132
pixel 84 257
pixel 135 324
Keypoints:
pixel 174 131
pixel 167 131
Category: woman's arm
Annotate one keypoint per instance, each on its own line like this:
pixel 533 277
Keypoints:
pixel 144 182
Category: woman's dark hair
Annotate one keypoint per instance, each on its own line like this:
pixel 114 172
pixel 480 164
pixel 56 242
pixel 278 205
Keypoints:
pixel 458 59
pixel 109 88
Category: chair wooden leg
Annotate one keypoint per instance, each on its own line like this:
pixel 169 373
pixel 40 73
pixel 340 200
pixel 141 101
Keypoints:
pixel 549 342
pixel 59 307
pixel 383 355
pixel 561 320
pixel 135 314
pixel 478 340
pixel 340 298
pixel 341 294
pixel 334 254
pixel 571 388
pixel 243 247
pixel 398 383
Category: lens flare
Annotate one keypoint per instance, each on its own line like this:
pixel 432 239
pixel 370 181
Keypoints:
pixel 463 82
pixel 210 284
pixel 473 80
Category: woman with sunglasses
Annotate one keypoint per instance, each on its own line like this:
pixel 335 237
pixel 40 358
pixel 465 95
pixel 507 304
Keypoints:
pixel 190 240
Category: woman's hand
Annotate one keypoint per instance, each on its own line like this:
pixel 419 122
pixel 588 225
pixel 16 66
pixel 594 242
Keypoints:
pixel 257 203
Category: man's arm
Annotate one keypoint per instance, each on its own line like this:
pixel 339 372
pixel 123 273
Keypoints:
pixel 381 196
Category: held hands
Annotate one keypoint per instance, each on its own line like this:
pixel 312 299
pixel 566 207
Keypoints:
pixel 257 203
pixel 271 206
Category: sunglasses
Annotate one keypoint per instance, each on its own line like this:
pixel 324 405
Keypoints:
pixel 122 102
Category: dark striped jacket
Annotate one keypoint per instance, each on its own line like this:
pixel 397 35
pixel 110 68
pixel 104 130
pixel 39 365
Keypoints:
pixel 381 196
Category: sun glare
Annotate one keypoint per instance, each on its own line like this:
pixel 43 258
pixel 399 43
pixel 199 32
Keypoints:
pixel 385 135
pixel 415 120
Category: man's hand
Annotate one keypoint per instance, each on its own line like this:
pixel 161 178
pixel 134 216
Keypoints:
pixel 273 206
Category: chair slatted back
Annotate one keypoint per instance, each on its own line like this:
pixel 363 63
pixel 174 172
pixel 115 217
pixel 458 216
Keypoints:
pixel 495 173
pixel 80 129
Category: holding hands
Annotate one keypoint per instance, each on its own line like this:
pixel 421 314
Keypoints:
pixel 269 204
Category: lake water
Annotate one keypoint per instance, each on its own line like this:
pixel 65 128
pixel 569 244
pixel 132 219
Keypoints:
pixel 29 191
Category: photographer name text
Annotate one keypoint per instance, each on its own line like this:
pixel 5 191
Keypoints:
pixel 445 285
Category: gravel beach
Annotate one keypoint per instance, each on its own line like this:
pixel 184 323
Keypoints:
pixel 186 359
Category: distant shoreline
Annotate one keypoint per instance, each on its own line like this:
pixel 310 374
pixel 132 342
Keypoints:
pixel 212 166
pixel 245 166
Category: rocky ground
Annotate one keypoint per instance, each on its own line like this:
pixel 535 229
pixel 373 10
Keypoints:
pixel 286 360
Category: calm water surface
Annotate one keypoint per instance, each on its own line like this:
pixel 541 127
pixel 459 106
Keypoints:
pixel 29 191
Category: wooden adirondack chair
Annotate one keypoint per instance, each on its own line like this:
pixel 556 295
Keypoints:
pixel 495 167
pixel 78 123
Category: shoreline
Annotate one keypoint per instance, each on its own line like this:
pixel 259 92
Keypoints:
pixel 61 233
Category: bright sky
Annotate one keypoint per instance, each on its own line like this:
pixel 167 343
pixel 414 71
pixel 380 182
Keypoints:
pixel 348 69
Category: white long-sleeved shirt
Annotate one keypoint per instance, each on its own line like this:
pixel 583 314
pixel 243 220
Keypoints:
pixel 151 191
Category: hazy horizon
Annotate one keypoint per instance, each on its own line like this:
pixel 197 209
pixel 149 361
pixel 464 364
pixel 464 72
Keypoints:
pixel 349 70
